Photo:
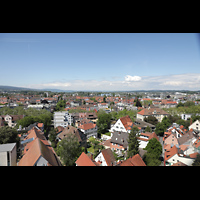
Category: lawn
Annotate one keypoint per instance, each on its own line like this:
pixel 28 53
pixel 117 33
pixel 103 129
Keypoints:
pixel 91 149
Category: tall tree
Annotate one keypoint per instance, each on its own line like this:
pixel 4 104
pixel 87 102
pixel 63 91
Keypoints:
pixel 138 104
pixel 69 150
pixel 9 135
pixel 154 150
pixel 103 122
pixel 133 143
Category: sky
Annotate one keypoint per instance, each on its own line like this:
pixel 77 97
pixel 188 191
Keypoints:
pixel 101 61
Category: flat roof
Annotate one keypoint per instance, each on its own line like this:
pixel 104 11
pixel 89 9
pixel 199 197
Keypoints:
pixel 7 147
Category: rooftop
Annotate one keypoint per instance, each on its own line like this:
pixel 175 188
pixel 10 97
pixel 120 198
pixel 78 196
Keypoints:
pixel 7 147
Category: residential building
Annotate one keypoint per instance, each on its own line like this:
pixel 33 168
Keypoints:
pixel 62 118
pixel 8 154
pixel 158 113
pixel 106 158
pixel 175 155
pixel 38 154
pixel 195 125
pixel 74 131
pixel 142 125
pixel 85 160
pixel 123 124
pixel 37 151
pixel 136 160
pixel 89 129
pixel 103 106
pixel 12 119
pixel 145 137
pixel 186 116
pixel 119 142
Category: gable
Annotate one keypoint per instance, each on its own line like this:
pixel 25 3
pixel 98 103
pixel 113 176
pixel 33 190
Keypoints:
pixel 119 126
pixel 41 161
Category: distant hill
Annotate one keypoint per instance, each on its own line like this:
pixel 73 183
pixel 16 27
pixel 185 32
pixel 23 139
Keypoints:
pixel 5 88
pixel 13 88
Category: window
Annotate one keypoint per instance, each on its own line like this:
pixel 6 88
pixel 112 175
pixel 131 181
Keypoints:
pixel 8 158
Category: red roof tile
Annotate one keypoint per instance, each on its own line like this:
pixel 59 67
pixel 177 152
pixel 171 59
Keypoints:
pixel 84 160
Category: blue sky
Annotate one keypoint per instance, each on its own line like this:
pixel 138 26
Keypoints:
pixel 100 61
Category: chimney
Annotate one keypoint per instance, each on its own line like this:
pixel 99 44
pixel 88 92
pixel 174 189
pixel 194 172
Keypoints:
pixel 91 156
pixel 190 121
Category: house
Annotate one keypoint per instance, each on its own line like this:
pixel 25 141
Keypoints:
pixel 38 154
pixel 8 154
pixel 85 160
pixel 37 151
pixel 195 125
pixel 102 105
pixel 119 142
pixel 89 129
pixel 145 137
pixel 142 125
pixel 175 155
pixel 12 119
pixel 106 158
pixel 62 118
pixel 158 113
pixel 136 160
pixel 74 131
pixel 123 124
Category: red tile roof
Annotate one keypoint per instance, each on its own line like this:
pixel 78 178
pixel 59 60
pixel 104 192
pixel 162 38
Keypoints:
pixel 136 160
pixel 38 148
pixel 85 160
pixel 127 122
pixel 87 126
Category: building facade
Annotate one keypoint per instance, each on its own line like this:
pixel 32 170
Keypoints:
pixel 62 118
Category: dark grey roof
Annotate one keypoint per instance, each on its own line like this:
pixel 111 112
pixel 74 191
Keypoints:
pixel 141 123
pixel 185 138
pixel 120 138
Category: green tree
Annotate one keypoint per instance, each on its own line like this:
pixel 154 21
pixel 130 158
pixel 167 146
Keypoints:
pixel 103 122
pixel 166 122
pixel 69 150
pixel 160 129
pixel 60 105
pixel 151 160
pixel 133 143
pixel 9 135
pixel 154 147
pixel 52 137
pixel 138 104
pixel 148 129
pixel 151 120
pixel 154 150
pixel 196 161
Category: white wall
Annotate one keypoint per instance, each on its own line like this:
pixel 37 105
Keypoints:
pixel 195 125
pixel 3 158
pixel 101 159
pixel 174 159
pixel 118 126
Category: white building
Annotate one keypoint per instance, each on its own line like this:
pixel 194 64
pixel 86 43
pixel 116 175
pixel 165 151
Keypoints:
pixel 124 124
pixel 89 129
pixel 8 154
pixel 62 118
pixel 195 125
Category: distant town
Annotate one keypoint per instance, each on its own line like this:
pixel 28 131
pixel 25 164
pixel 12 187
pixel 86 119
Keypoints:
pixel 96 128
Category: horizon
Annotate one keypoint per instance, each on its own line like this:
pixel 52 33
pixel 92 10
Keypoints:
pixel 101 61
pixel 101 91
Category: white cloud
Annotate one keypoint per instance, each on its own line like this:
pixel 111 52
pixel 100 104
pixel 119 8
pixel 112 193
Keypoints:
pixel 167 82
pixel 132 78
pixel 172 83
